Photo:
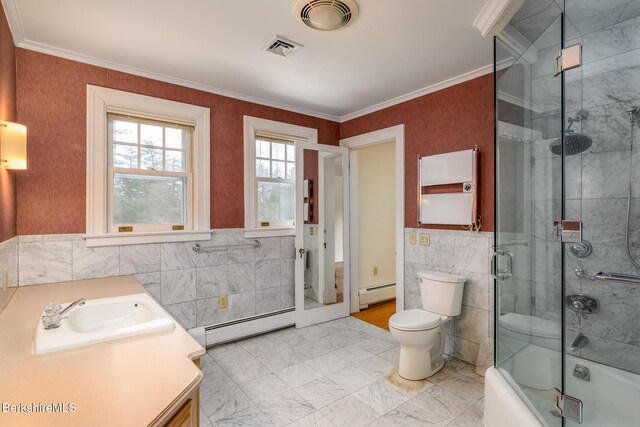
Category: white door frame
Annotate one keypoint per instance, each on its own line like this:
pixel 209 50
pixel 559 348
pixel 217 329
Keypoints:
pixel 394 133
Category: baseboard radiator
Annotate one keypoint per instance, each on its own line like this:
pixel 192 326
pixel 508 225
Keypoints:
pixel 244 328
pixel 376 294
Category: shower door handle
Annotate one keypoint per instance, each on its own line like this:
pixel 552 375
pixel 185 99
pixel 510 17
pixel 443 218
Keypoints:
pixel 506 273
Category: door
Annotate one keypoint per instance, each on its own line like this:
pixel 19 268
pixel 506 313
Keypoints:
pixel 527 262
pixel 322 265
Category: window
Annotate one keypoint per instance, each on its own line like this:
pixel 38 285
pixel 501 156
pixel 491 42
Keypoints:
pixel 270 171
pixel 147 169
pixel 149 174
pixel 275 181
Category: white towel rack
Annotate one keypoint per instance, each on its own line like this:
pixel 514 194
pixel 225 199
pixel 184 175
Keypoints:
pixel 454 208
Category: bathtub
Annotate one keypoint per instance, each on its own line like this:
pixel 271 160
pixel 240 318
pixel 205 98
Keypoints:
pixel 611 398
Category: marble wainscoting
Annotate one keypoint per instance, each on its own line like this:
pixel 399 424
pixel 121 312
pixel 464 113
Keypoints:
pixel 188 284
pixel 8 261
pixel 465 254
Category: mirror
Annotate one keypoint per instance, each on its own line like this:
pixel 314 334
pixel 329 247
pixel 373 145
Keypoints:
pixel 323 232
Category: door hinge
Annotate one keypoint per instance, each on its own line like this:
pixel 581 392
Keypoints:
pixel 568 58
pixel 568 231
pixel 569 407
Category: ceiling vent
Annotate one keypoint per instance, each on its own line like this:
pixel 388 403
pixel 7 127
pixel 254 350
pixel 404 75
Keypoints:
pixel 281 46
pixel 326 15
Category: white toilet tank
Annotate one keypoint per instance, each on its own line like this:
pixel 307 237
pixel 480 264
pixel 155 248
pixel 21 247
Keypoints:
pixel 441 292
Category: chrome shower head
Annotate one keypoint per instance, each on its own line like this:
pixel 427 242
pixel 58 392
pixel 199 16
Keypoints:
pixel 574 142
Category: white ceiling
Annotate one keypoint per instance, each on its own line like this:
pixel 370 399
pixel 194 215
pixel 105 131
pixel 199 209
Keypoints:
pixel 394 48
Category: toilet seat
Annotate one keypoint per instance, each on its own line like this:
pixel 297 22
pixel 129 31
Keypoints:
pixel 415 320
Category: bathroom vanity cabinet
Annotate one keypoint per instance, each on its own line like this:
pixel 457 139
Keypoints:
pixel 189 412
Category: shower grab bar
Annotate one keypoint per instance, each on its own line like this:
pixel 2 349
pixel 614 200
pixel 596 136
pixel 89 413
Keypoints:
pixel 197 248
pixel 617 277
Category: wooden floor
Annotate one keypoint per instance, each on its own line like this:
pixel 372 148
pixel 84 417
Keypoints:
pixel 378 314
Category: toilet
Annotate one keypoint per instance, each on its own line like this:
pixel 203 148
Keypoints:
pixel 419 331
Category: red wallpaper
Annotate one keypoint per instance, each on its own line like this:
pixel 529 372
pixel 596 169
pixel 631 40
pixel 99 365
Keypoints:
pixel 455 118
pixel 51 95
pixel 51 102
pixel 7 112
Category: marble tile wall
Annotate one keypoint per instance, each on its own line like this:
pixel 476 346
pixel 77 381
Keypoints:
pixel 466 254
pixel 186 283
pixel 596 181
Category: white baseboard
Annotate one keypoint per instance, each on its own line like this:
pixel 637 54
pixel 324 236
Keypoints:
pixel 375 295
pixel 246 328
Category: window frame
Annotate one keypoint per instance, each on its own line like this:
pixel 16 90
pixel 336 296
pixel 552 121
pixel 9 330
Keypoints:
pixel 252 127
pixel 101 101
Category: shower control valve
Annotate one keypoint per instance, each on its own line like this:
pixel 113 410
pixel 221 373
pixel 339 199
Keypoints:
pixel 582 304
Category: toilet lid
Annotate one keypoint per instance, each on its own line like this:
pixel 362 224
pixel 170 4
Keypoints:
pixel 414 320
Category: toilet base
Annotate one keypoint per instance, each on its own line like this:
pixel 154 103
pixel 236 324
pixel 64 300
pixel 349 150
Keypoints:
pixel 410 370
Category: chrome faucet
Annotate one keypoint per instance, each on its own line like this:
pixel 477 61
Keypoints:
pixel 53 314
pixel 79 302
pixel 580 342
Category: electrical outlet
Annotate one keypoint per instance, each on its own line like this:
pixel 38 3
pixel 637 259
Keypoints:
pixel 375 271
pixel 424 239
pixel 312 231
pixel 223 301
pixel 412 238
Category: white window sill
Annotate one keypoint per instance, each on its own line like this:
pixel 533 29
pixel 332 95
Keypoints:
pixel 117 239
pixel 268 232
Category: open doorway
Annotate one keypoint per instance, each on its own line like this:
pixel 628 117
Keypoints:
pixel 377 218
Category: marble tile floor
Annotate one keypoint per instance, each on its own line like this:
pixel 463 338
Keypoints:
pixel 339 373
pixel 311 303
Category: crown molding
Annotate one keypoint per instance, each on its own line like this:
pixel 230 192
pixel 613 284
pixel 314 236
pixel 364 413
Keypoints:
pixel 74 56
pixel 13 19
pixel 15 25
pixel 420 92
pixel 495 15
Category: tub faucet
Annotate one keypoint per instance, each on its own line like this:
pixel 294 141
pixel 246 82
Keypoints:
pixel 580 342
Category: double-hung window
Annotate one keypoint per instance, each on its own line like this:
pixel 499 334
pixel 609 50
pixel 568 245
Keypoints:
pixel 150 176
pixel 275 164
pixel 270 175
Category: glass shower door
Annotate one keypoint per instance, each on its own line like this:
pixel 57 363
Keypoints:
pixel 527 262
pixel 602 188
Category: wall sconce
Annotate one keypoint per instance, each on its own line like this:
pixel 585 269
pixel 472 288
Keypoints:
pixel 13 145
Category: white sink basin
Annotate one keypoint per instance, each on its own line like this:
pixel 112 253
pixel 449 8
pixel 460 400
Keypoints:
pixel 101 320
